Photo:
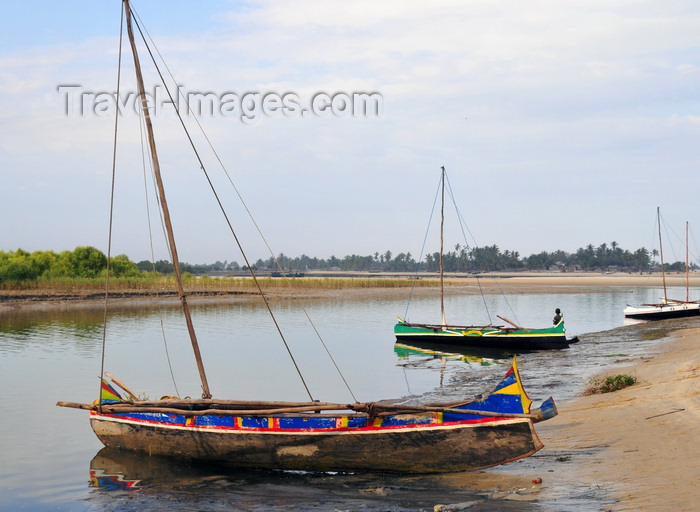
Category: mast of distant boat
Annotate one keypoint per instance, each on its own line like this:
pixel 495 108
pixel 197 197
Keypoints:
pixel 164 205
pixel 442 227
pixel 661 252
pixel 687 295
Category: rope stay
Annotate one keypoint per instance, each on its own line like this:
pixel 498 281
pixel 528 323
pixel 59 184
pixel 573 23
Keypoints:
pixel 469 248
pixel 111 209
pixel 151 48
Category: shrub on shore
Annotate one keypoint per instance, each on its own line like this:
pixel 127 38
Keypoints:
pixel 610 384
pixel 21 267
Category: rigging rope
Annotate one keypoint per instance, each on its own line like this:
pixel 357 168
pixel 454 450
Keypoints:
pixel 144 150
pixel 463 225
pixel 111 209
pixel 222 209
pixel 464 229
pixel 111 218
pixel 422 249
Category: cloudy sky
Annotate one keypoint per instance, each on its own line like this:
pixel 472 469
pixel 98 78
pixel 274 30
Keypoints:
pixel 560 123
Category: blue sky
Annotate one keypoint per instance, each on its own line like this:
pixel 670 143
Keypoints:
pixel 560 124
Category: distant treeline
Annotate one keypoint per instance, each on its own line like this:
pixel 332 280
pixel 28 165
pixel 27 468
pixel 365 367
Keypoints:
pixel 88 262
pixel 482 259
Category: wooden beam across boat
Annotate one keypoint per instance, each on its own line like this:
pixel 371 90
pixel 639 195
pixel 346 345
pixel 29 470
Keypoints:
pixel 372 409
pixel 126 407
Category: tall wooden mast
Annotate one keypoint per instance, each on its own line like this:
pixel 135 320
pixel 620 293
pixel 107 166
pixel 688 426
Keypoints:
pixel 661 252
pixel 687 295
pixel 164 205
pixel 442 271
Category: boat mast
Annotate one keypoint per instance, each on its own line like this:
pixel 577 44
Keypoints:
pixel 164 205
pixel 687 296
pixel 661 251
pixel 442 227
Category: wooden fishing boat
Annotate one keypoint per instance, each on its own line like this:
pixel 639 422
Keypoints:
pixel 311 435
pixel 667 308
pixel 485 336
pixel 511 336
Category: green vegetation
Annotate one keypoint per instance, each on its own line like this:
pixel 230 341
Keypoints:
pixel 480 259
pixel 655 334
pixel 82 263
pixel 84 269
pixel 611 384
pixel 21 267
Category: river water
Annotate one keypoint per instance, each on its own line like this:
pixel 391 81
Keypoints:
pixel 51 460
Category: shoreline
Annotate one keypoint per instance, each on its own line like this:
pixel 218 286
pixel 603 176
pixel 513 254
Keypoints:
pixel 641 441
pixel 635 449
pixel 356 285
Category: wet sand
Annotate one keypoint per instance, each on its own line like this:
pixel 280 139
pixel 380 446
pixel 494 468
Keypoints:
pixel 640 442
pixel 630 450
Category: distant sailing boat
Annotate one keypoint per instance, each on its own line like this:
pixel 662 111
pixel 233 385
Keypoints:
pixel 667 308
pixel 312 435
pixel 512 337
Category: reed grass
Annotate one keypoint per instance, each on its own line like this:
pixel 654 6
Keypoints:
pixel 160 283
pixel 332 283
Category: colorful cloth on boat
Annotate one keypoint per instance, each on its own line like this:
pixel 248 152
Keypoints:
pixel 108 393
pixel 507 397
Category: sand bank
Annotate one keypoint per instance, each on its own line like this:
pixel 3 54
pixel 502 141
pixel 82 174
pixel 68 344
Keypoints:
pixel 352 285
pixel 632 450
pixel 641 442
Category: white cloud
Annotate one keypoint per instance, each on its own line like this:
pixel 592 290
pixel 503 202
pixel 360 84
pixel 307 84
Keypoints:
pixel 540 110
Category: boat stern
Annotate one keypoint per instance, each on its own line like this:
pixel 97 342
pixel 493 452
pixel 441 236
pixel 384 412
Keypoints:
pixel 546 411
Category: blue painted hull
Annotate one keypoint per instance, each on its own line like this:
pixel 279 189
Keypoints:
pixel 412 448
pixel 495 429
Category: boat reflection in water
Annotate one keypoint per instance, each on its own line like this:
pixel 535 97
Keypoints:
pixel 422 353
pixel 186 486
pixel 119 470
pixel 423 349
pixel 108 473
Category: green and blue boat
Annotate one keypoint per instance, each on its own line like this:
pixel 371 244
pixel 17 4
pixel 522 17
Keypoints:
pixel 512 337
pixel 484 336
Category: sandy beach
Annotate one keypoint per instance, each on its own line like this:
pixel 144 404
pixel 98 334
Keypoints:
pixel 635 449
pixel 641 441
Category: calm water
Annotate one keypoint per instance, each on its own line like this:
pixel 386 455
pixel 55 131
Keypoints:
pixel 50 455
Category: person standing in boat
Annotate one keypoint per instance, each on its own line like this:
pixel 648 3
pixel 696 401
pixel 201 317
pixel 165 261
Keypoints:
pixel 557 316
